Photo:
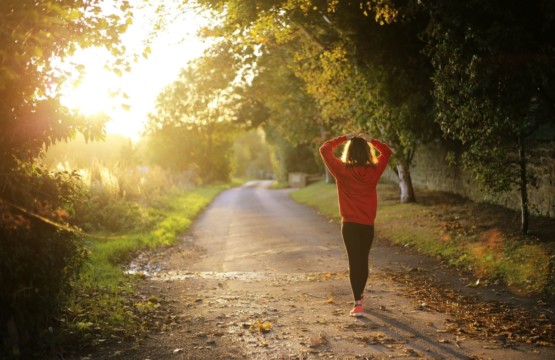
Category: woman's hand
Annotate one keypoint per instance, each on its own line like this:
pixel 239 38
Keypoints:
pixel 352 135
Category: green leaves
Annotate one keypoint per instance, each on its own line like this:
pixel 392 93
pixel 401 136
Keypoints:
pixel 484 93
pixel 192 129
pixel 39 257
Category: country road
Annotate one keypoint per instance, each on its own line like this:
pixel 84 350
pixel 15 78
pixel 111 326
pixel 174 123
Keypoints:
pixel 259 276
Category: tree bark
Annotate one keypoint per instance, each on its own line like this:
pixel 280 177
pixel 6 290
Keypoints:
pixel 323 134
pixel 405 183
pixel 523 186
pixel 329 178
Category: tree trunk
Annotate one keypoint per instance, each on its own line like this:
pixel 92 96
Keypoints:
pixel 329 178
pixel 405 183
pixel 323 134
pixel 523 186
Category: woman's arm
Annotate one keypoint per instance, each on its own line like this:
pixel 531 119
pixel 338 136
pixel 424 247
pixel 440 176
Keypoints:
pixel 385 152
pixel 326 152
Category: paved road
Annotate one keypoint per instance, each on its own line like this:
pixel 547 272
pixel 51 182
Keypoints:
pixel 259 276
pixel 252 228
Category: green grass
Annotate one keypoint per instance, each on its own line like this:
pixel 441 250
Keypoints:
pixel 439 229
pixel 103 301
pixel 321 196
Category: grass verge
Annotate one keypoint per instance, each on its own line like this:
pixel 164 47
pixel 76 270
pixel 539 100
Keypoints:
pixel 104 304
pixel 476 237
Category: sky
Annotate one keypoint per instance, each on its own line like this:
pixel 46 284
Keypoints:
pixel 171 49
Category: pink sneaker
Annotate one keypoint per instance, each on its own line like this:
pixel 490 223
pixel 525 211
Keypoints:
pixel 357 310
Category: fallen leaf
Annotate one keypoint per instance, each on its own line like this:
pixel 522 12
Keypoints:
pixel 260 326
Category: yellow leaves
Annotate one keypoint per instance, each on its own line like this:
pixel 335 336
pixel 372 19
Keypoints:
pixel 384 13
pixel 148 306
pixel 260 326
pixel 330 300
pixel 332 5
pixel 326 276
pixel 146 52
pixel 75 14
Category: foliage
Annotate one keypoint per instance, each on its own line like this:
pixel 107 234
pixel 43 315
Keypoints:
pixel 252 155
pixel 493 83
pixel 490 79
pixel 290 117
pixel 78 153
pixel 102 212
pixel 114 182
pixel 204 152
pixel 191 129
pixel 33 36
pixel 287 157
pixel 39 252
pixel 356 72
pixel 290 110
pixel 38 256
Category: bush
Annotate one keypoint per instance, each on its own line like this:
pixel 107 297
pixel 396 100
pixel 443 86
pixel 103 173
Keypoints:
pixel 116 197
pixel 39 253
pixel 36 264
pixel 105 213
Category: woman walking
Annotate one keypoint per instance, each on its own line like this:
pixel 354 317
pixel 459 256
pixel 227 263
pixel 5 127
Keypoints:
pixel 356 175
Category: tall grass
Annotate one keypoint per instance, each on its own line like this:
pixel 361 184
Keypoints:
pixel 125 209
pixel 522 263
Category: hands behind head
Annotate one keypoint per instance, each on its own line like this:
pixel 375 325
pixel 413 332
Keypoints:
pixel 360 135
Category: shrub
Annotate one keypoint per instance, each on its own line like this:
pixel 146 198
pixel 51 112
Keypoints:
pixel 39 253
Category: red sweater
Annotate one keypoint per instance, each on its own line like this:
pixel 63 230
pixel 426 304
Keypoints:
pixel 356 185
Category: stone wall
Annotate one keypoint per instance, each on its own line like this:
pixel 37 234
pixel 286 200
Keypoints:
pixel 432 171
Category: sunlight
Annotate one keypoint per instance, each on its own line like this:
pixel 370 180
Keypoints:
pixel 94 93
pixel 127 99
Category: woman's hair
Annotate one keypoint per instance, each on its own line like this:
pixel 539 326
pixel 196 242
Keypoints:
pixel 357 152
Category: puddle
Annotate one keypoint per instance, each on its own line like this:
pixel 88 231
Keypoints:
pixel 156 272
pixel 215 275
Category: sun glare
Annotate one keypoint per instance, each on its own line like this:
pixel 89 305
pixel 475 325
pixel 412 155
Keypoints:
pixel 95 92
pixel 127 99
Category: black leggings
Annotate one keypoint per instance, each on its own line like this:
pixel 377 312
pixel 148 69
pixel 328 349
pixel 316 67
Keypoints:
pixel 358 241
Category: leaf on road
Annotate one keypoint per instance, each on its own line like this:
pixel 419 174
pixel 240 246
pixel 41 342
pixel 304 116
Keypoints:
pixel 260 326
pixel 321 340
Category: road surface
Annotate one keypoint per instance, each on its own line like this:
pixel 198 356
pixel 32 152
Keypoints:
pixel 259 276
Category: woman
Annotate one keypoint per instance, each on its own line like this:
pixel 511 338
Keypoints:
pixel 356 175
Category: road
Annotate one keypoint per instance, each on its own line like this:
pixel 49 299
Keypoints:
pixel 259 276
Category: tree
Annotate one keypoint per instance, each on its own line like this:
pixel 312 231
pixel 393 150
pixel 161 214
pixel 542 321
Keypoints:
pixel 292 120
pixel 33 35
pixel 191 129
pixel 38 250
pixel 360 72
pixel 252 155
pixel 494 84
pixel 375 77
